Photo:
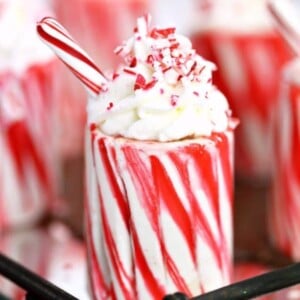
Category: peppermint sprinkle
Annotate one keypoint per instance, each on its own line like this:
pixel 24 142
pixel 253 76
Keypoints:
pixel 150 59
pixel 174 100
pixel 93 126
pixel 128 71
pixel 167 56
pixel 115 75
pixel 133 62
pixel 140 82
pixel 109 106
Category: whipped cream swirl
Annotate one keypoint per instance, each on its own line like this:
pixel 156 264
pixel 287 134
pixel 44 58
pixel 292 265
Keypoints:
pixel 163 92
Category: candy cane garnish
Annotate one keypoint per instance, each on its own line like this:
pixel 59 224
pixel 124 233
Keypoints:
pixel 76 59
pixel 287 23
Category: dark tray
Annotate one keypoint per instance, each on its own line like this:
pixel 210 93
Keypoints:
pixel 38 288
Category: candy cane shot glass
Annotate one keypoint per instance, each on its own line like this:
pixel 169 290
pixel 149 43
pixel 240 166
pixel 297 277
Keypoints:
pixel 159 215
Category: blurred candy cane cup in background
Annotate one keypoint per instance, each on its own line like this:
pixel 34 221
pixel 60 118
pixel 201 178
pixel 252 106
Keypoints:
pixel 238 37
pixel 284 210
pixel 27 141
pixel 28 166
pixel 52 253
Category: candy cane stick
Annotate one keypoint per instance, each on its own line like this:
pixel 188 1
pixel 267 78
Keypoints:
pixel 77 60
pixel 288 25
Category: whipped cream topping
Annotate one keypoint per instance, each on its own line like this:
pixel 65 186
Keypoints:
pixel 19 43
pixel 163 92
pixel 231 15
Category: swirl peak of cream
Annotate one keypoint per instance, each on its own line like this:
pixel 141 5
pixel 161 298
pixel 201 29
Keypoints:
pixel 162 92
pixel 19 43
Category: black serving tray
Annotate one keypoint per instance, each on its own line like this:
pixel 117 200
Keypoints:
pixel 38 288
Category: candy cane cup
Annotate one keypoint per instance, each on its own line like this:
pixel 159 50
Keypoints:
pixel 52 253
pixel 159 215
pixel 248 73
pixel 284 209
pixel 27 145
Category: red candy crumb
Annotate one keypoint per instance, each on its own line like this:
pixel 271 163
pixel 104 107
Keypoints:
pixel 174 100
pixel 140 82
pixel 168 57
pixel 156 33
pixel 109 106
pixel 93 126
pixel 150 59
pixel 150 84
pixel 128 71
pixel 133 62
pixel 115 75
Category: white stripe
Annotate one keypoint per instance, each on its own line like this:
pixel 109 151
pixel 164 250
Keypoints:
pixel 115 220
pixel 148 239
pixel 94 211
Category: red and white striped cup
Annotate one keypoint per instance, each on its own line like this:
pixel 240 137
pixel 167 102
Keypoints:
pixel 159 215
pixel 51 253
pixel 27 145
pixel 249 66
pixel 284 208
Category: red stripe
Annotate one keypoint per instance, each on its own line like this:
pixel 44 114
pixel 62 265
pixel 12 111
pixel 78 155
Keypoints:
pixel 71 51
pixel 142 178
pixel 169 199
pixel 122 277
pixel 206 166
pixel 200 222
pixel 100 288
pixel 92 85
pixel 222 143
pixel 58 43
pixel 120 198
pixel 23 149
pixel 154 288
